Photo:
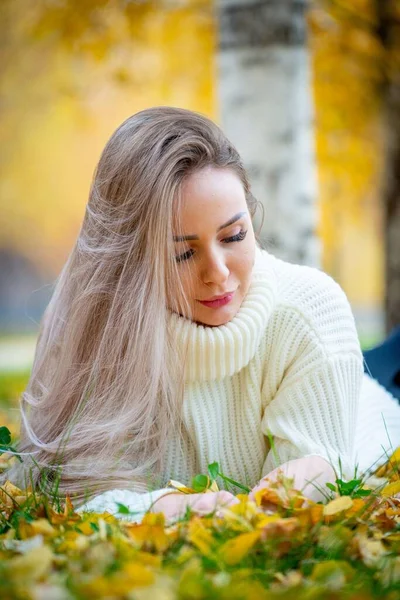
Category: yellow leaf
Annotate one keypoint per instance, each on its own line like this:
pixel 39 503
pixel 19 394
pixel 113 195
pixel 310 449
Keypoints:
pixel 185 554
pixel 68 516
pixel 391 489
pixel 282 526
pixel 148 559
pixel 393 512
pixel 180 487
pixel 152 519
pixel 309 515
pixel 200 537
pixel 337 506
pixel 150 533
pixel 245 509
pixel 392 463
pixel 10 489
pixel 39 526
pixel 234 550
pixel 265 520
pixel 31 566
pixel 278 493
pixel 316 513
pixel 73 541
pixel 10 495
pixel 395 458
pixel 138 574
pixel 335 573
pixel 85 528
pixel 266 497
pixel 357 508
pixel 119 584
pixel 213 487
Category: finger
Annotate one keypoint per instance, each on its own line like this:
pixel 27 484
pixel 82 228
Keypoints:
pixel 229 502
pixel 224 496
pixel 208 503
pixel 205 504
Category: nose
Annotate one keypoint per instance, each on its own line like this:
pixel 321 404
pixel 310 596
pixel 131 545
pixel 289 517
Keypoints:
pixel 215 270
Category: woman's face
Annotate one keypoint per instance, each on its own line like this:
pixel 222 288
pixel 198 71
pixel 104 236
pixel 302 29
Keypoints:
pixel 214 247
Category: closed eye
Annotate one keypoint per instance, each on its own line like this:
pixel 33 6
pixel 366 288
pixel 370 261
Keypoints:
pixel 235 238
pixel 185 256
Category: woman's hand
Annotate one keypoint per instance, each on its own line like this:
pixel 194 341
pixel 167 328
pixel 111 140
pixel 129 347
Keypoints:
pixel 310 475
pixel 174 505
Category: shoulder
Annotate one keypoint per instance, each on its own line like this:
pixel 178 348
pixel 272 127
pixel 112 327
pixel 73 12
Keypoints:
pixel 305 288
pixel 312 303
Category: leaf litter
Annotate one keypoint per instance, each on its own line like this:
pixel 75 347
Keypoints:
pixel 278 546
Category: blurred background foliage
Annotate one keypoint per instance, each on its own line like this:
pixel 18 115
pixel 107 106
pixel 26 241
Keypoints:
pixel 355 48
pixel 72 70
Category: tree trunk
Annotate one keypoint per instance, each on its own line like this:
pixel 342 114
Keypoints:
pixel 266 110
pixel 392 209
pixel 389 33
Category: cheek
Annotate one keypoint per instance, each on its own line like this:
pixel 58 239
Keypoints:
pixel 181 289
pixel 245 263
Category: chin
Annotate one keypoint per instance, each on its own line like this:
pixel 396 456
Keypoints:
pixel 219 318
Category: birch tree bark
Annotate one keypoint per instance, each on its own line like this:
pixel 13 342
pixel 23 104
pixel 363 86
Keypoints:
pixel 266 110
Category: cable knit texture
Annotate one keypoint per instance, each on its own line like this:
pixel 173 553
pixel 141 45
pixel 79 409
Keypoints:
pixel 287 367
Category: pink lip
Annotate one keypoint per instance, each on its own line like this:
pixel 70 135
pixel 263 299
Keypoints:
pixel 218 301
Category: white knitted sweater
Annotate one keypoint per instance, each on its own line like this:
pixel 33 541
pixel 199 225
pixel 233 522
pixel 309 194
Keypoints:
pixel 287 366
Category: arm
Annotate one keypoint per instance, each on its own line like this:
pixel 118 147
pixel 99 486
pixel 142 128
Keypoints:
pixel 313 410
pixel 137 503
pixel 166 500
pixel 316 416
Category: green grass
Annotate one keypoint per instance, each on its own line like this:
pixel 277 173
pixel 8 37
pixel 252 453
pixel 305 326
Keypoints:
pixel 12 384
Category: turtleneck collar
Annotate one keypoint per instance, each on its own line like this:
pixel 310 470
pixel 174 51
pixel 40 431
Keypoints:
pixel 211 353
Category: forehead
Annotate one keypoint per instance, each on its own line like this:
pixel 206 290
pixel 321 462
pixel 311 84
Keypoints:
pixel 210 197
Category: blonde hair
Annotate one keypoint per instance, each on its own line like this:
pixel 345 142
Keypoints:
pixel 103 398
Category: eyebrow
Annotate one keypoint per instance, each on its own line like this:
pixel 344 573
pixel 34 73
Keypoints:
pixel 186 238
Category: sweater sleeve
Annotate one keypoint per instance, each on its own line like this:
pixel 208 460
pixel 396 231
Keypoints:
pixel 137 503
pixel 313 410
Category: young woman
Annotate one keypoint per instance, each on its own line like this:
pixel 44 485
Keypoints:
pixel 172 340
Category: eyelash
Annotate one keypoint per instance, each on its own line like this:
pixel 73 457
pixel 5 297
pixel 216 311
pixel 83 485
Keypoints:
pixel 234 238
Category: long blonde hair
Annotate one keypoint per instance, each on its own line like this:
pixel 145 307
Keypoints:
pixel 103 397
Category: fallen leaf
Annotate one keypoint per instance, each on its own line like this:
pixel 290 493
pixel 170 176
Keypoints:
pixel 119 584
pixel 181 487
pixel 371 550
pixel 234 550
pixel 24 546
pixel 38 526
pixel 337 505
pixel 391 489
pixel 281 527
pixel 357 508
pixel 393 464
pixel 31 566
pixel 200 536
pixel 150 533
pixel 333 573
